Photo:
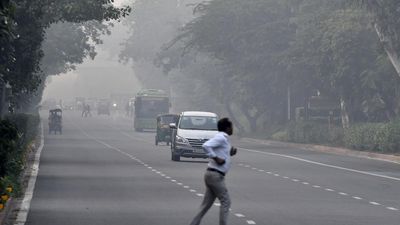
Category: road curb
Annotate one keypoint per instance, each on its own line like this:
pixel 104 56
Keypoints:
pixel 331 150
pixel 24 206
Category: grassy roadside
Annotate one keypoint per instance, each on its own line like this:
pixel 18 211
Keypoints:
pixel 370 137
pixel 19 132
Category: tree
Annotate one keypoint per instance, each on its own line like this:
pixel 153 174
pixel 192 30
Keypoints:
pixel 31 19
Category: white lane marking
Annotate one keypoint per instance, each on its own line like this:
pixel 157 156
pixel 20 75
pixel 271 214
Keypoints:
pixel 392 208
pixel 316 186
pixel 192 190
pixel 22 214
pixel 328 189
pixel 306 183
pixel 269 172
pixel 168 177
pixel 295 180
pixel 173 181
pixel 286 177
pixel 322 164
pixel 277 175
pixel 250 222
pixel 260 170
pixel 186 187
pixel 254 168
pixel 200 195
pixel 344 194
pixel 180 184
pixel 217 204
pixel 374 203
pixel 247 166
pixel 239 215
pixel 356 197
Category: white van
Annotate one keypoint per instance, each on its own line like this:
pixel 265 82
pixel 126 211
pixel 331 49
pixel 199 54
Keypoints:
pixel 189 134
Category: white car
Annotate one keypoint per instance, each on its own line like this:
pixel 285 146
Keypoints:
pixel 189 134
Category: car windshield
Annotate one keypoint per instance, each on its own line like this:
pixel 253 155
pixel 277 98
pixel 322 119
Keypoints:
pixel 198 123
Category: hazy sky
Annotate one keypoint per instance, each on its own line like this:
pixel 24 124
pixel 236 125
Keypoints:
pixel 99 77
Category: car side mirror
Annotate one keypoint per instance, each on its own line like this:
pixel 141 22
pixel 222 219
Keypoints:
pixel 172 125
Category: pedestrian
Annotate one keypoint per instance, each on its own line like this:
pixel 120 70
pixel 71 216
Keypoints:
pixel 219 151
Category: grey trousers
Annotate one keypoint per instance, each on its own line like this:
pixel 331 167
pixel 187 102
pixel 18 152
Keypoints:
pixel 215 188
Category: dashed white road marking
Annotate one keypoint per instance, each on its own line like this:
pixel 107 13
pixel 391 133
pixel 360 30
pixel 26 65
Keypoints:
pixel 286 177
pixel 328 189
pixel 342 193
pixel 321 164
pixel 179 184
pixel 146 165
pixel 306 183
pixel 239 215
pixel 316 186
pixel 374 203
pixel 392 208
pixel 260 170
pixel 356 197
pixel 295 180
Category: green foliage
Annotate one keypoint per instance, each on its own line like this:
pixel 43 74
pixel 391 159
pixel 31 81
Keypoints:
pixel 381 137
pixel 314 132
pixel 280 136
pixel 20 65
pixel 18 131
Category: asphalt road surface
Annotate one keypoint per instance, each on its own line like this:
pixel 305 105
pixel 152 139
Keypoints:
pixel 99 171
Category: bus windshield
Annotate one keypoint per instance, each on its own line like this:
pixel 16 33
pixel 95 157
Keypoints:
pixel 150 108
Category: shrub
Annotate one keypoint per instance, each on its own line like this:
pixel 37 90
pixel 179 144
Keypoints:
pixel 314 132
pixel 18 131
pixel 280 136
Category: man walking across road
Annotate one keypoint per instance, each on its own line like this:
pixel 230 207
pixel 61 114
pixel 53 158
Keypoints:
pixel 219 151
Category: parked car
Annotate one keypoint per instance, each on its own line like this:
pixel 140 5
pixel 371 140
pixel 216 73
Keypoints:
pixel 189 134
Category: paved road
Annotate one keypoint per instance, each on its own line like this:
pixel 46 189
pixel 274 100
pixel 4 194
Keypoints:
pixel 101 172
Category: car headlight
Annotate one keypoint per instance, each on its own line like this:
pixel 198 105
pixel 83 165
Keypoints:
pixel 181 140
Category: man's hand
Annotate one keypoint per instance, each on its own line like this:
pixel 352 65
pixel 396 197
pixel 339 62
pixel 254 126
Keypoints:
pixel 219 161
pixel 233 151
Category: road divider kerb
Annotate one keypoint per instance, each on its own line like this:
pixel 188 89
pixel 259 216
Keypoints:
pixel 23 211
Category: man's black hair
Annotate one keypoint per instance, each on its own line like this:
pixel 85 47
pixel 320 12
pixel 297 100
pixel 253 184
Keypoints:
pixel 223 124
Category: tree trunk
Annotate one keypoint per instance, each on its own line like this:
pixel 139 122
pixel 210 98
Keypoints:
pixel 232 116
pixel 344 113
pixel 388 46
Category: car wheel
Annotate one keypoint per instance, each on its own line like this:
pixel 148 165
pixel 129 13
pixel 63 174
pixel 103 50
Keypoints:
pixel 156 141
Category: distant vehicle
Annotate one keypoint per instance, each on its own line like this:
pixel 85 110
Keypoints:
pixel 193 129
pixel 103 107
pixel 164 132
pixel 148 104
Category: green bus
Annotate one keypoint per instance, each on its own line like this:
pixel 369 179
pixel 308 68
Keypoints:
pixel 149 103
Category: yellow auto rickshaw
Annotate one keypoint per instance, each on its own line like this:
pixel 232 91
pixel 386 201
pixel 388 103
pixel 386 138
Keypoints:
pixel 55 121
